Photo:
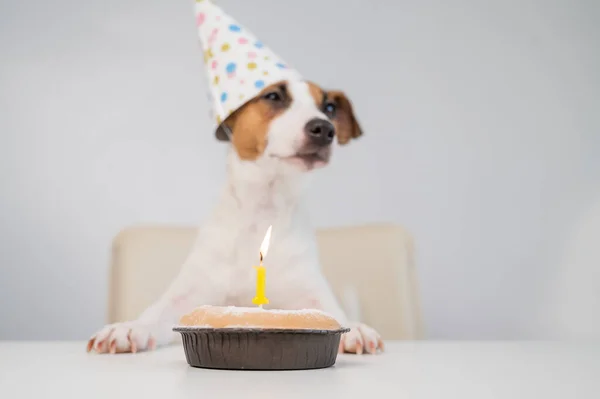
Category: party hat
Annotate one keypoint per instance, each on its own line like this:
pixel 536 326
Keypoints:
pixel 238 65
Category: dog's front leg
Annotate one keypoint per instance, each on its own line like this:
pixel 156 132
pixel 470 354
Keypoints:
pixel 195 285
pixel 361 338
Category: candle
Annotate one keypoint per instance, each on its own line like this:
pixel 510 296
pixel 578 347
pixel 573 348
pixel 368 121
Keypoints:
pixel 261 273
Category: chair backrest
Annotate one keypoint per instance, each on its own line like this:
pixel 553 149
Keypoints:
pixel 375 261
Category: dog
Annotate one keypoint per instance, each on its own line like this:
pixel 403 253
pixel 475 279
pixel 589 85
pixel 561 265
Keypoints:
pixel 276 139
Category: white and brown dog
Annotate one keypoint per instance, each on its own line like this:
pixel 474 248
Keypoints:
pixel 276 138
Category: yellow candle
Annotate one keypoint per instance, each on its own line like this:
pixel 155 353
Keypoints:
pixel 261 273
pixel 260 298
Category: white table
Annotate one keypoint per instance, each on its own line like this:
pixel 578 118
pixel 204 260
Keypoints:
pixel 411 370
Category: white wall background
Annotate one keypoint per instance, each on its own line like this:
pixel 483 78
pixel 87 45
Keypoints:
pixel 482 138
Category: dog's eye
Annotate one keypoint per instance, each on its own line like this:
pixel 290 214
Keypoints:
pixel 273 96
pixel 329 109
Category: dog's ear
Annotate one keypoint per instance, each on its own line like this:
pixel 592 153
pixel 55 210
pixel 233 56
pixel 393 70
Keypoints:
pixel 222 134
pixel 345 121
pixel 247 129
pixel 225 130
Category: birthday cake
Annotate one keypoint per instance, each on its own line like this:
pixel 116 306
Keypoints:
pixel 256 317
pixel 259 339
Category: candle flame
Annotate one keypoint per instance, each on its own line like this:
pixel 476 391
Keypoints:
pixel 264 247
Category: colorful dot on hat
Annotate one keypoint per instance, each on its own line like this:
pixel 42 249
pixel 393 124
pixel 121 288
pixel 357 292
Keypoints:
pixel 234 28
pixel 280 65
pixel 219 119
pixel 251 65
pixel 213 36
pixel 223 97
pixel 265 73
pixel 200 18
pixel 259 84
pixel 241 96
pixel 230 68
pixel 216 80
pixel 214 64
pixel 258 45
pixel 266 58
pixel 251 55
pixel 242 81
pixel 242 40
pixel 225 47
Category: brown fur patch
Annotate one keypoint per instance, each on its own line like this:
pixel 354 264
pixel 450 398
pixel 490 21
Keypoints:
pixel 249 125
pixel 344 120
pixel 317 93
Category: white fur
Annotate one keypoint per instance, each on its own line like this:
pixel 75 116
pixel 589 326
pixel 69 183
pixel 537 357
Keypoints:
pixel 218 271
pixel 286 133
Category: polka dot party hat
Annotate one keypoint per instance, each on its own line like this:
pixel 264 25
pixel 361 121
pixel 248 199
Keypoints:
pixel 238 65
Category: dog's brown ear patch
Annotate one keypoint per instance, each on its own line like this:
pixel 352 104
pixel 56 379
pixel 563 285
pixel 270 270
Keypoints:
pixel 249 126
pixel 345 121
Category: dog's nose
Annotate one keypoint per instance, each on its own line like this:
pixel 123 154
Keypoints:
pixel 320 131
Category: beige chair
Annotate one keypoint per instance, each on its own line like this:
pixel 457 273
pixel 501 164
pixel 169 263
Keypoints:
pixel 377 260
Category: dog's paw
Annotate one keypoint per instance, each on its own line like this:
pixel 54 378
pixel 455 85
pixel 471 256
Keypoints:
pixel 360 339
pixel 122 337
